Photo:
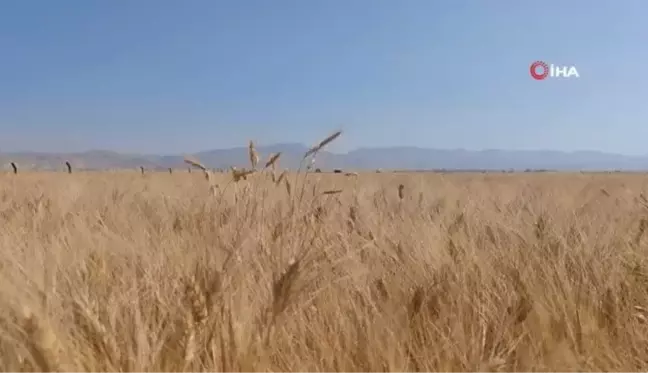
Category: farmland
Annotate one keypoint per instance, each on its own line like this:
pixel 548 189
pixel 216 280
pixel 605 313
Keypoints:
pixel 324 272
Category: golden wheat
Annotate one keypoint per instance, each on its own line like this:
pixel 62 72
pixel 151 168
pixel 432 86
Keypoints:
pixel 454 272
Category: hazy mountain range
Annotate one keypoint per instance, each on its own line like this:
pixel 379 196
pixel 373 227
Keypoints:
pixel 393 158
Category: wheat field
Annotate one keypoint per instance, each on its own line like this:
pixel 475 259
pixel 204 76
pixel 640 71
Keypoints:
pixel 374 272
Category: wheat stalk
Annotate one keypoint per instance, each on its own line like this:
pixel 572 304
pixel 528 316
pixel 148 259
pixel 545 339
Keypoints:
pixel 272 160
pixel 283 286
pixel 281 177
pixel 282 289
pixel 189 341
pixel 42 342
pixel 288 187
pixel 322 144
pixel 254 156
pixel 238 175
pixel 194 162
pixel 96 334
pixel 197 301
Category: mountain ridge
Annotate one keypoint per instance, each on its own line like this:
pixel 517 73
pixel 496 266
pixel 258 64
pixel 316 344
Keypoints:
pixel 396 157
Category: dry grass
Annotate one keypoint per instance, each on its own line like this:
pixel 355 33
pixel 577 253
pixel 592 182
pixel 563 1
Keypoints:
pixel 377 272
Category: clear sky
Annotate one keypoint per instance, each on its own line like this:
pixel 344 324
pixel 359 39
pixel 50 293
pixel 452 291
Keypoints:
pixel 180 76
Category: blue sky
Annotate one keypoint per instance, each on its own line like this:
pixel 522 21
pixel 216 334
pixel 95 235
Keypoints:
pixel 178 76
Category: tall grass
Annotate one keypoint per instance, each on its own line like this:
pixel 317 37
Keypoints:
pixel 323 272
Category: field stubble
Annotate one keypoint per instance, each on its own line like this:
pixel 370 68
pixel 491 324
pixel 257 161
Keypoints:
pixel 159 272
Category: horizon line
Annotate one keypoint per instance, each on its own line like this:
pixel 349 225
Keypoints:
pixel 391 147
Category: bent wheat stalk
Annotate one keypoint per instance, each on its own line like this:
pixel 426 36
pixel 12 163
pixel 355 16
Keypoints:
pixel 312 152
pixel 194 162
pixel 322 144
pixel 272 160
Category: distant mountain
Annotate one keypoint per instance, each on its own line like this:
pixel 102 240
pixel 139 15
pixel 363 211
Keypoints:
pixel 393 158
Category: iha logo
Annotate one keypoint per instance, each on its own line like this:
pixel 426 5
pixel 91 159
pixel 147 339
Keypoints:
pixel 541 70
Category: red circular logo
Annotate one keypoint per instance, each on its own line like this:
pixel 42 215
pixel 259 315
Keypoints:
pixel 539 65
